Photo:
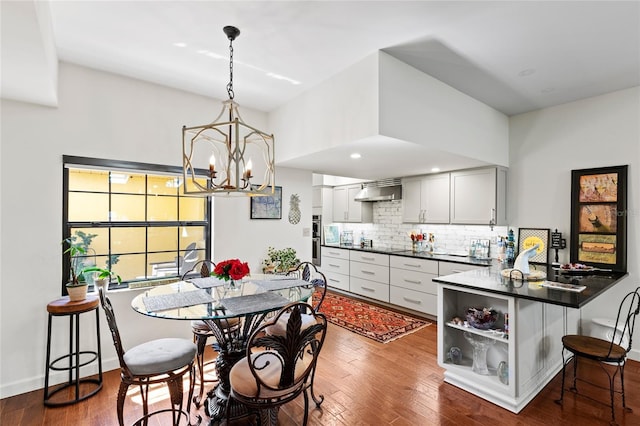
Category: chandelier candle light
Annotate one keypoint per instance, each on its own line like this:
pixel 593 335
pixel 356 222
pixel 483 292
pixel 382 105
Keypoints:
pixel 229 144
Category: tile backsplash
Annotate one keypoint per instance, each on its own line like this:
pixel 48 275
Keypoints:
pixel 387 230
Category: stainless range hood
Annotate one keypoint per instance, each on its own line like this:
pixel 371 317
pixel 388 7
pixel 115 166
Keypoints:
pixel 383 190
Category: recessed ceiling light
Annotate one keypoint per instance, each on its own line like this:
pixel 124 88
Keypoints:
pixel 435 169
pixel 180 44
pixel 355 155
pixel 526 72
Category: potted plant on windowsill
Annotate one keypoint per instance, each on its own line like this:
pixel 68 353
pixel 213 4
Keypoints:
pixel 103 276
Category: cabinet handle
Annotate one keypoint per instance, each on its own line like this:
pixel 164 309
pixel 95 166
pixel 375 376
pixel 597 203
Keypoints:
pixel 411 300
pixel 410 265
pixel 334 253
pixel 334 280
pixel 456 270
pixel 367 272
pixel 367 288
pixel 411 281
pixel 335 266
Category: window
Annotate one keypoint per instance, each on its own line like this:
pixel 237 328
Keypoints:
pixel 133 218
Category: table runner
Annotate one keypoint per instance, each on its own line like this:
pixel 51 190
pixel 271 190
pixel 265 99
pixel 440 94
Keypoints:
pixel 260 302
pixel 176 300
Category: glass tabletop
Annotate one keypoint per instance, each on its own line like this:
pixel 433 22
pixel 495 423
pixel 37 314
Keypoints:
pixel 210 298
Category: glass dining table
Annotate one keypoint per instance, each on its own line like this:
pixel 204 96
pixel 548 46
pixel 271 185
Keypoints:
pixel 232 314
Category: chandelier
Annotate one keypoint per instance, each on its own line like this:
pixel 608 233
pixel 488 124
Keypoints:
pixel 231 146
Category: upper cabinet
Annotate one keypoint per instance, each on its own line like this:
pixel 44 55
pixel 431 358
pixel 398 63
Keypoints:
pixel 345 209
pixel 322 202
pixel 426 199
pixel 478 196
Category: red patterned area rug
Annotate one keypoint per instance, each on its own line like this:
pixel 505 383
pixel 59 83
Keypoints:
pixel 374 322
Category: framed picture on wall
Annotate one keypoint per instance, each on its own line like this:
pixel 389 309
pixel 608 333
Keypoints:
pixel 599 217
pixel 267 206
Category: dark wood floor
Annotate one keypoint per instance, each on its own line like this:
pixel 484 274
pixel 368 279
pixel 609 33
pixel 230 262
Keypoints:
pixel 365 383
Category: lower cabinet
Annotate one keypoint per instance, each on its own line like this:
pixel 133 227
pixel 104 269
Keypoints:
pixel 411 284
pixel 369 275
pixel 507 367
pixel 335 266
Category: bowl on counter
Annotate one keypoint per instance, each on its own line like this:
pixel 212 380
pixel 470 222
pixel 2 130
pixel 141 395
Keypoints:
pixel 481 318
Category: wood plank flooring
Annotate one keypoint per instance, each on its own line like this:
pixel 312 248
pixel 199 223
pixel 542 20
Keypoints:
pixel 365 383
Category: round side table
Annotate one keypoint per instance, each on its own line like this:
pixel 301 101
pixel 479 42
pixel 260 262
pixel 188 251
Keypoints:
pixel 75 357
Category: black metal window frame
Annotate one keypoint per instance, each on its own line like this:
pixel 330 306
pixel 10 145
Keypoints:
pixel 72 162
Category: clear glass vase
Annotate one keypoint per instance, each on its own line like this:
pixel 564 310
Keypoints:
pixel 480 347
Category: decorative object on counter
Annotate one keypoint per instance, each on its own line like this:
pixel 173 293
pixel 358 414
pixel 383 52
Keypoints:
pixel 294 209
pixel 331 234
pixel 516 274
pixel 455 355
pixel 416 241
pixel 268 206
pixel 511 247
pixel 231 143
pixel 529 237
pixel 599 217
pixel 522 261
pixel 230 271
pixel 479 249
pixel 502 249
pixel 481 318
pixel 279 261
pixel 557 243
pixel 346 238
pixel 503 372
pixel 480 347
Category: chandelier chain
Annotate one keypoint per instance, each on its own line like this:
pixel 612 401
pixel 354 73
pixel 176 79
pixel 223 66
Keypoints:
pixel 230 85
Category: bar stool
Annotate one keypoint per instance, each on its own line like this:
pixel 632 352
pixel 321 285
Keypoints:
pixel 64 307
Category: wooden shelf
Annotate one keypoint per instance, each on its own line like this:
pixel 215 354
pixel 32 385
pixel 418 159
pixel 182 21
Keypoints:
pixel 497 335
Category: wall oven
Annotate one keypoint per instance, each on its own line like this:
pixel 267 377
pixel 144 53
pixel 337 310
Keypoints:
pixel 316 239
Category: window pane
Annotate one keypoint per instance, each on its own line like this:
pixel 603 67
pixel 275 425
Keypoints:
pixel 128 240
pixel 191 185
pixel 162 208
pixel 162 185
pixel 95 241
pixel 130 267
pixel 192 208
pixel 85 207
pixel 127 183
pixel 163 238
pixel 127 208
pixel 88 180
pixel 192 234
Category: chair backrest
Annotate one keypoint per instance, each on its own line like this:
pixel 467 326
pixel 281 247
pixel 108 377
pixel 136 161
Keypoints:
pixel 626 320
pixel 113 326
pixel 293 355
pixel 189 260
pixel 204 267
pixel 307 271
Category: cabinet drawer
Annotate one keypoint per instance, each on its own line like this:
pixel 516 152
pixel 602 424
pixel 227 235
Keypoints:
pixel 332 264
pixel 416 281
pixel 337 280
pixel 335 252
pixel 413 264
pixel 366 257
pixel 369 289
pixel 447 268
pixel 368 271
pixel 421 302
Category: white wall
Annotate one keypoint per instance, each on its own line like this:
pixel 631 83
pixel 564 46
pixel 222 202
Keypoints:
pixel 104 116
pixel 546 145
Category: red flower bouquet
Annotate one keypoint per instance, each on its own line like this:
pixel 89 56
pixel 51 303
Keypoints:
pixel 232 269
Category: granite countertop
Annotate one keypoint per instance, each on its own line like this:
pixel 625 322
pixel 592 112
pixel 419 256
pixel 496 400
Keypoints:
pixel 492 281
pixel 401 251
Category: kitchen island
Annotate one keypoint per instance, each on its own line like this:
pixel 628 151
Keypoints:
pixel 510 363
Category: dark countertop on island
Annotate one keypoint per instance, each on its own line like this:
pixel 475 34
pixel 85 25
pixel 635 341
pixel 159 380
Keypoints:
pixel 400 251
pixel 492 281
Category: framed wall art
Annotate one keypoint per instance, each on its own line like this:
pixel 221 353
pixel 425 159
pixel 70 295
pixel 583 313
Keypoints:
pixel 599 217
pixel 529 237
pixel 267 206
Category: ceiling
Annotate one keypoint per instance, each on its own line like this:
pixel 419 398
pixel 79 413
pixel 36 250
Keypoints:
pixel 514 56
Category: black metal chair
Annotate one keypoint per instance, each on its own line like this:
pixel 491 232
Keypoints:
pixel 610 354
pixel 307 271
pixel 278 368
pixel 158 361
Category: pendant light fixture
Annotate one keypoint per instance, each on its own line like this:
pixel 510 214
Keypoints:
pixel 234 150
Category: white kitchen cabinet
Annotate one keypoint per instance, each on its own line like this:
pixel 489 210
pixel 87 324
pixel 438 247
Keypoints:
pixel 346 209
pixel 322 202
pixel 369 275
pixel 478 196
pixel 335 266
pixel 425 199
pixel 411 283
pixel 531 349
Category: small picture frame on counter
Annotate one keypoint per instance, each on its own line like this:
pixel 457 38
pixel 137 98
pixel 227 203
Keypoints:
pixel 529 237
